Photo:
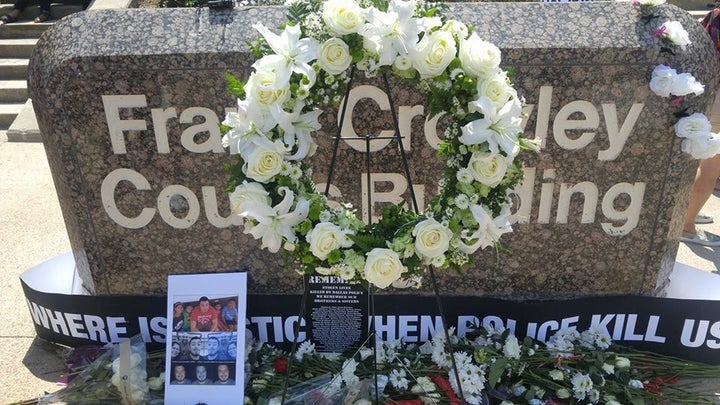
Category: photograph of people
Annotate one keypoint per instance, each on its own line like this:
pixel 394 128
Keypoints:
pixel 231 350
pixel 195 349
pixel 221 323
pixel 229 315
pixel 179 375
pixel 186 317
pixel 175 353
pixel 201 376
pixel 223 371
pixel 212 346
pixel 178 318
pixel 204 318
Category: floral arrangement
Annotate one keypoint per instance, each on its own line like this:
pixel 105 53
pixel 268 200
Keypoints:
pixel 308 65
pixel 95 375
pixel 494 367
pixel 698 139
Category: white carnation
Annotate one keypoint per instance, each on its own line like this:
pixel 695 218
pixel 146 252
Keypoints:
pixel 674 32
pixel 662 80
pixel 696 126
pixel 685 84
pixel 702 148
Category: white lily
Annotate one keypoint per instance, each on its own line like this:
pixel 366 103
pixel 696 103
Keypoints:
pixel 272 224
pixel 394 32
pixel 240 125
pixel 298 127
pixel 292 54
pixel 498 127
pixel 488 230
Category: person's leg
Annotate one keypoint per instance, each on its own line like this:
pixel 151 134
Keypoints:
pixel 44 11
pixel 708 171
pixel 17 9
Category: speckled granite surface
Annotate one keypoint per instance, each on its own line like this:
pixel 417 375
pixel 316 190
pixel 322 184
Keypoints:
pixel 598 55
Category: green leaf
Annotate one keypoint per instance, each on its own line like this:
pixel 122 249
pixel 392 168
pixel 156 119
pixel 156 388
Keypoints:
pixel 235 86
pixel 367 242
pixel 496 370
pixel 297 11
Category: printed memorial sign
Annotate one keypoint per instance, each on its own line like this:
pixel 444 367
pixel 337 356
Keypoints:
pixel 336 313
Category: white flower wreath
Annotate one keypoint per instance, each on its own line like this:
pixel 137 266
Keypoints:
pixel 307 65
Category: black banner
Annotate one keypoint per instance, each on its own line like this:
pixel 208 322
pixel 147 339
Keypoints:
pixel 688 329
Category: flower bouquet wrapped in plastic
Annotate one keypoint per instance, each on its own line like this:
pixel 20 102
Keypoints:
pixel 114 373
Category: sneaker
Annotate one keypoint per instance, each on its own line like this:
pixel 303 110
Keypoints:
pixel 701 238
pixel 703 218
pixel 7 19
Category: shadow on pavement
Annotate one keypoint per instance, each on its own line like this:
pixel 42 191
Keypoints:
pixel 45 360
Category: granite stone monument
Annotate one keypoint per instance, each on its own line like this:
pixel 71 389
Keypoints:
pixel 129 101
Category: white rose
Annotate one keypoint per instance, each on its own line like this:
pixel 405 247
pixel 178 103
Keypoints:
pixel 511 348
pixel 622 362
pixel 263 88
pixel 342 17
pixel 382 267
pixel 479 58
pixel 676 34
pixel 662 80
pixel 488 168
pixel 335 56
pixel 264 163
pixel 685 84
pixel 434 53
pixel 556 375
pixel 608 368
pixel 562 393
pixel 431 238
pixel 637 384
pixel 326 237
pixel 496 89
pixel 702 148
pixel 248 193
pixel 695 126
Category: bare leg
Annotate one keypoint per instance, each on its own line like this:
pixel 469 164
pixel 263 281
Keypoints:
pixel 707 174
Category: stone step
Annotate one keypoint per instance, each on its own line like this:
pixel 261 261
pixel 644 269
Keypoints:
pixel 25 127
pixel 13 69
pixel 17 47
pixel 26 28
pixel 23 29
pixel 13 91
pixel 8 112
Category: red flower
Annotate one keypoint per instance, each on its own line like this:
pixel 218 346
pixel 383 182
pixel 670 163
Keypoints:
pixel 443 385
pixel 280 365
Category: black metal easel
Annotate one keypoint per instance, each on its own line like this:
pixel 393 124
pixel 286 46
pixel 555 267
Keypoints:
pixel 371 290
